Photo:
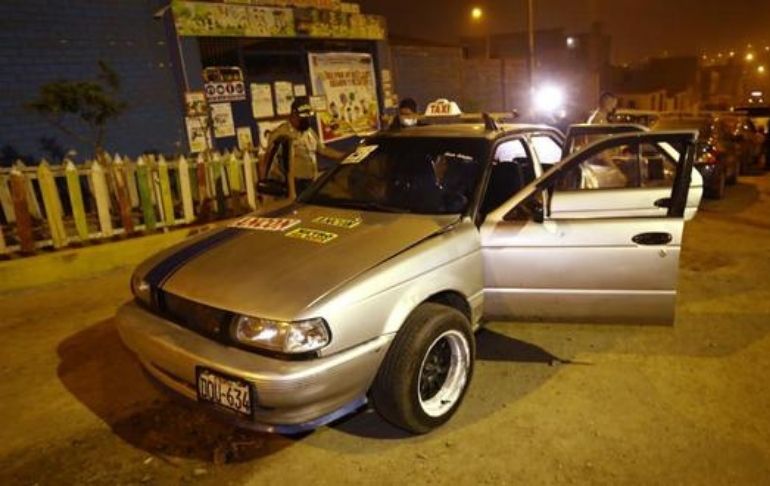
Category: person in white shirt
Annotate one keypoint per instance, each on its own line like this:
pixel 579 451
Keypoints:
pixel 608 102
pixel 306 146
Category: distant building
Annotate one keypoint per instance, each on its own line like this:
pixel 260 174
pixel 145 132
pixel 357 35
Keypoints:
pixel 663 84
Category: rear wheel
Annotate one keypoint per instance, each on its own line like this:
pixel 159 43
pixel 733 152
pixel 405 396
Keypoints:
pixel 732 177
pixel 425 375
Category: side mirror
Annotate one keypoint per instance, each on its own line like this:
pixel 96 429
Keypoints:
pixel 272 188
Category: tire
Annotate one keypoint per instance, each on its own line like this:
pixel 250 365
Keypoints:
pixel 427 371
pixel 732 179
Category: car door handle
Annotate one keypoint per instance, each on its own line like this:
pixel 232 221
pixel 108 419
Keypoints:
pixel 652 239
pixel 663 203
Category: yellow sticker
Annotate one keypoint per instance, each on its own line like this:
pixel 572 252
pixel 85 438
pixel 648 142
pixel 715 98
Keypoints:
pixel 347 223
pixel 315 236
pixel 265 224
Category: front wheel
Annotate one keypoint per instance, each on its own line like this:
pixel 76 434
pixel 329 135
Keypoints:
pixel 427 370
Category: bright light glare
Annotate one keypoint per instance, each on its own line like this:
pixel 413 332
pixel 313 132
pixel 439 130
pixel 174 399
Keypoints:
pixel 750 56
pixel 548 99
pixel 571 42
pixel 761 69
pixel 477 13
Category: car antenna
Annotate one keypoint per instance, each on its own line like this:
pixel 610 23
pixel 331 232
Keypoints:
pixel 489 123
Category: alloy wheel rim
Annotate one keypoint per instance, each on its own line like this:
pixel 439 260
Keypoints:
pixel 443 373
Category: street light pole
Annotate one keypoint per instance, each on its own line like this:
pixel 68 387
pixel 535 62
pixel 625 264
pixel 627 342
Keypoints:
pixel 531 22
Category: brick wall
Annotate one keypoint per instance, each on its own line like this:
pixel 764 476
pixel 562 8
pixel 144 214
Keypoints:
pixel 46 40
pixel 427 73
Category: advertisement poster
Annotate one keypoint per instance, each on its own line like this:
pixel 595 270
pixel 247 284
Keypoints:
pixel 300 90
pixel 262 100
pixel 227 20
pixel 348 83
pixel 222 117
pixel 284 95
pixel 195 103
pixel 265 128
pixel 198 135
pixel 244 138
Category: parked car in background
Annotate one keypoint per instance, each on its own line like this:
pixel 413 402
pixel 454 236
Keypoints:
pixel 718 156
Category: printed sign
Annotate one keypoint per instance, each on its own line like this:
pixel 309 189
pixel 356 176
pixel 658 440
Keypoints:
pixel 347 223
pixel 198 134
pixel 262 100
pixel 265 224
pixel 220 20
pixel 284 96
pixel 347 81
pixel 443 108
pixel 218 91
pixel 195 103
pixel 362 152
pixel 314 236
pixel 318 103
pixel 222 116
pixel 245 142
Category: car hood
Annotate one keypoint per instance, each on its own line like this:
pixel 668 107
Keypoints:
pixel 269 274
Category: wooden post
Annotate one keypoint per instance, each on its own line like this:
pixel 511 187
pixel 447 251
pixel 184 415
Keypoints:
pixel 121 191
pixel 32 204
pixel 185 188
pixel 52 203
pixel 133 194
pixel 248 172
pixel 166 199
pixel 76 199
pixel 21 209
pixel 3 248
pixel 234 174
pixel 145 194
pixel 102 197
pixel 6 201
pixel 204 204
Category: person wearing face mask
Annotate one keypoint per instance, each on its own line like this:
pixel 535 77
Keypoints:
pixel 306 146
pixel 407 114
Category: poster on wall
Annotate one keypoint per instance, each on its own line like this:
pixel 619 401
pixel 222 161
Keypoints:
pixel 284 96
pixel 347 82
pixel 223 20
pixel 245 142
pixel 261 100
pixel 198 134
pixel 195 103
pixel 265 128
pixel 222 118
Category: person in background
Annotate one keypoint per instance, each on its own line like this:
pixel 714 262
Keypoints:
pixel 608 102
pixel 407 114
pixel 766 146
pixel 306 146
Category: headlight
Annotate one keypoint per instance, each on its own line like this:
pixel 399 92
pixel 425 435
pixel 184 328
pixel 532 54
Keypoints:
pixel 140 289
pixel 283 337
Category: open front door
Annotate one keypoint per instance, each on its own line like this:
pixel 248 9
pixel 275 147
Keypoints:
pixel 561 251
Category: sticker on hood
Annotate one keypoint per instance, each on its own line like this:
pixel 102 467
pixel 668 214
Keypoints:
pixel 347 223
pixel 312 235
pixel 265 224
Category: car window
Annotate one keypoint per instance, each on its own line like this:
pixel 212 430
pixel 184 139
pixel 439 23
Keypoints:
pixel 512 169
pixel 547 150
pixel 624 167
pixel 410 175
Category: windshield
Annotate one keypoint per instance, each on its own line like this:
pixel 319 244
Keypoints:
pixel 410 175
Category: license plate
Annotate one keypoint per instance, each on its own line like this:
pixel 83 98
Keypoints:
pixel 226 392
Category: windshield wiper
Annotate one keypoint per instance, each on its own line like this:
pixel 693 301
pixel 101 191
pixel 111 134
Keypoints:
pixel 365 205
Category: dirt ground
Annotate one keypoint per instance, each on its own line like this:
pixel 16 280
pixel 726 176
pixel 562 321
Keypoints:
pixel 549 404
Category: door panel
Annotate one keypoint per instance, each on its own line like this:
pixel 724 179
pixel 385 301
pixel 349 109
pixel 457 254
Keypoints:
pixel 597 256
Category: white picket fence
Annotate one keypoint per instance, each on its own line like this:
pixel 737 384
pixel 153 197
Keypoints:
pixel 71 204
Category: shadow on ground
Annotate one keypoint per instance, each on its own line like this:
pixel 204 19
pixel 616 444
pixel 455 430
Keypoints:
pixel 104 376
pixel 491 348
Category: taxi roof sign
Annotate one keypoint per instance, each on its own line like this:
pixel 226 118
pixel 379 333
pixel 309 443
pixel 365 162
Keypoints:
pixel 443 107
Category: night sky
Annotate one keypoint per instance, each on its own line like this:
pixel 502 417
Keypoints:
pixel 639 28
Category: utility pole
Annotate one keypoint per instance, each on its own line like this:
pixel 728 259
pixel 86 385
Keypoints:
pixel 531 22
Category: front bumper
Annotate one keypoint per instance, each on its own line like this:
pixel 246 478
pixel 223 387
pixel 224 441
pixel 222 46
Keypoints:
pixel 291 396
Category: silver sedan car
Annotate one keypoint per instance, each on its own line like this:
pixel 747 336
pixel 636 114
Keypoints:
pixel 369 287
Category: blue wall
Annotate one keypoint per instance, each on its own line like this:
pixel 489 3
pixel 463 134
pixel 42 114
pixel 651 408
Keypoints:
pixel 46 40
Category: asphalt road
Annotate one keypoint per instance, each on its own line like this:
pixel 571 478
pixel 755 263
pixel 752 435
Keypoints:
pixel 549 404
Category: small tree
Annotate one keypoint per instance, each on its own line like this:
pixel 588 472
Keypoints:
pixel 94 103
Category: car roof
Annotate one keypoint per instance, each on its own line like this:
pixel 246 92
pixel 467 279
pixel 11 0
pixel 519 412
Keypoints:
pixel 464 130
